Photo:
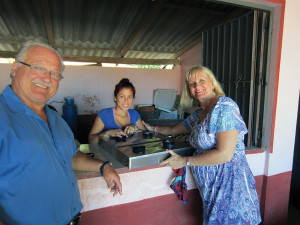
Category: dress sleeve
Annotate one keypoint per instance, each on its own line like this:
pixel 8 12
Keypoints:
pixel 226 116
pixel 101 115
pixel 107 116
pixel 191 120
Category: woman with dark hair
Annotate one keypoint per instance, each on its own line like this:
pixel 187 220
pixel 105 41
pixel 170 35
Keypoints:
pixel 120 120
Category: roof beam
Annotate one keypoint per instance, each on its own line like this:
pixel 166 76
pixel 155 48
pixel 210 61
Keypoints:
pixel 99 60
pixel 6 41
pixel 210 24
pixel 195 9
pixel 188 47
pixel 152 9
pixel 7 54
pixel 121 60
pixel 48 22
pixel 85 48
pixel 196 27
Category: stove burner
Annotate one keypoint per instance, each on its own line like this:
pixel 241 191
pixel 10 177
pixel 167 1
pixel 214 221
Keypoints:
pixel 120 139
pixel 130 135
pixel 168 144
pixel 147 134
pixel 138 149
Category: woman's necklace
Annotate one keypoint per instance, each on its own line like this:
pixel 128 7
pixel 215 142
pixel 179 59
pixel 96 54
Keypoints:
pixel 204 112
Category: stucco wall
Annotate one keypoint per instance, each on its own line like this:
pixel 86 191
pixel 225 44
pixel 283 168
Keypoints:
pixel 93 87
pixel 281 159
pixel 191 58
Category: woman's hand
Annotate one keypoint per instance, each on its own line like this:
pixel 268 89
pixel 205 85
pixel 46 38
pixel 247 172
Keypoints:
pixel 131 129
pixel 148 127
pixel 115 133
pixel 175 161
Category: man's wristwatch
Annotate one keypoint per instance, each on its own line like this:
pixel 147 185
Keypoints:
pixel 103 165
pixel 188 162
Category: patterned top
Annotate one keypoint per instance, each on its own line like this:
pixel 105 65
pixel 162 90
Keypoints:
pixel 227 190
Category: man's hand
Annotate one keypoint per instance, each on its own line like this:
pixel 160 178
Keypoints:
pixel 112 179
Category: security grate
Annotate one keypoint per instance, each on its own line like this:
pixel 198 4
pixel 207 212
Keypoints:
pixel 237 54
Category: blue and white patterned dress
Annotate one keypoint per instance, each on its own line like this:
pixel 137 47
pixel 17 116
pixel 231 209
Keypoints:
pixel 227 190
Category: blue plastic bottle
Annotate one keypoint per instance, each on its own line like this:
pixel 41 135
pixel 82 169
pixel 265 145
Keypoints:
pixel 70 113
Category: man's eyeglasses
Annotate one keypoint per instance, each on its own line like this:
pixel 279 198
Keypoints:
pixel 42 71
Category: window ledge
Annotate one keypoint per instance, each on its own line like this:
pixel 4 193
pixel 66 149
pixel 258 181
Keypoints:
pixel 254 151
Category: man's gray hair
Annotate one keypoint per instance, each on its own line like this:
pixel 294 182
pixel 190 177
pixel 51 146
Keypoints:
pixel 21 55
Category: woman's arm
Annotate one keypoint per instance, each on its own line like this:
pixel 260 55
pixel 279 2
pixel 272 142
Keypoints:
pixel 226 144
pixel 96 130
pixel 168 130
pixel 140 125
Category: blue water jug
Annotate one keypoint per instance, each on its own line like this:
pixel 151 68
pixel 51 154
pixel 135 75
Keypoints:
pixel 70 113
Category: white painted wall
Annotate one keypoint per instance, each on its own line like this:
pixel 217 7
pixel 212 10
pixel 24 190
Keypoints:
pixel 92 87
pixel 281 159
pixel 191 58
pixel 4 77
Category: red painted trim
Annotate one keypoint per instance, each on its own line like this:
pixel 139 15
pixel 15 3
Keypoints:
pixel 273 193
pixel 165 209
pixel 282 2
pixel 254 151
pixel 275 198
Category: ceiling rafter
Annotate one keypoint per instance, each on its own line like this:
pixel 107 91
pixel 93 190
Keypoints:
pixel 207 25
pixel 48 22
pixel 118 60
pixel 7 54
pixel 195 9
pixel 100 60
pixel 175 34
pixel 149 14
pixel 11 41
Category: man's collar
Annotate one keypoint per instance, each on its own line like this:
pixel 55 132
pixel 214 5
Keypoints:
pixel 15 103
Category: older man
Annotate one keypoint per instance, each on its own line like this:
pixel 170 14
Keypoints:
pixel 37 149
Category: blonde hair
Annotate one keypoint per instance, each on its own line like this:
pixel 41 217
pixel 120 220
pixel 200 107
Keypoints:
pixel 186 100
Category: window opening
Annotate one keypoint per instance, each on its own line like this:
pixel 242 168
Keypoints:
pixel 237 54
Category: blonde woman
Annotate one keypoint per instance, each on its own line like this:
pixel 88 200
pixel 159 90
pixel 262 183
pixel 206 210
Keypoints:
pixel 219 165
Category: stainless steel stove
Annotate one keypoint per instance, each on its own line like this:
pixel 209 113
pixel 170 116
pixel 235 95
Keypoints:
pixel 139 150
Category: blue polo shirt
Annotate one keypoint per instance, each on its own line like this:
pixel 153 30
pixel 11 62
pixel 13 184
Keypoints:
pixel 37 182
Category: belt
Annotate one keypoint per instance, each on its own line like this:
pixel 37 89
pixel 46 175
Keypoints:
pixel 75 220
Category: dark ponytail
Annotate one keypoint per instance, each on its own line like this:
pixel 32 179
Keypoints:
pixel 124 83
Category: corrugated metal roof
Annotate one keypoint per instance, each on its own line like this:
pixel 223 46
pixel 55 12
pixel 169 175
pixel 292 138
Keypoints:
pixel 120 31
